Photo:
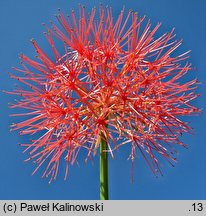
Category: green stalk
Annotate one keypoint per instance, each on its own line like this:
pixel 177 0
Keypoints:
pixel 104 194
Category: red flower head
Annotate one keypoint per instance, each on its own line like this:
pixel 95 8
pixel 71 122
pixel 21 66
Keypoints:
pixel 116 81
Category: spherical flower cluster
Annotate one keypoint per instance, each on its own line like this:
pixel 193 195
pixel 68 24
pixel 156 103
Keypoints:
pixel 115 81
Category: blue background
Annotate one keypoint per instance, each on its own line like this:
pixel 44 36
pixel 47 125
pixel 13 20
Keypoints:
pixel 19 22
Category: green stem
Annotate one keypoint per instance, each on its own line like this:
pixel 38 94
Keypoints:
pixel 104 194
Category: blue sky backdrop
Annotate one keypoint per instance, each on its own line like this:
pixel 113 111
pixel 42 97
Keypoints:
pixel 19 22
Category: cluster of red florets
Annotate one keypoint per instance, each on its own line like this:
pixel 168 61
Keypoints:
pixel 116 80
